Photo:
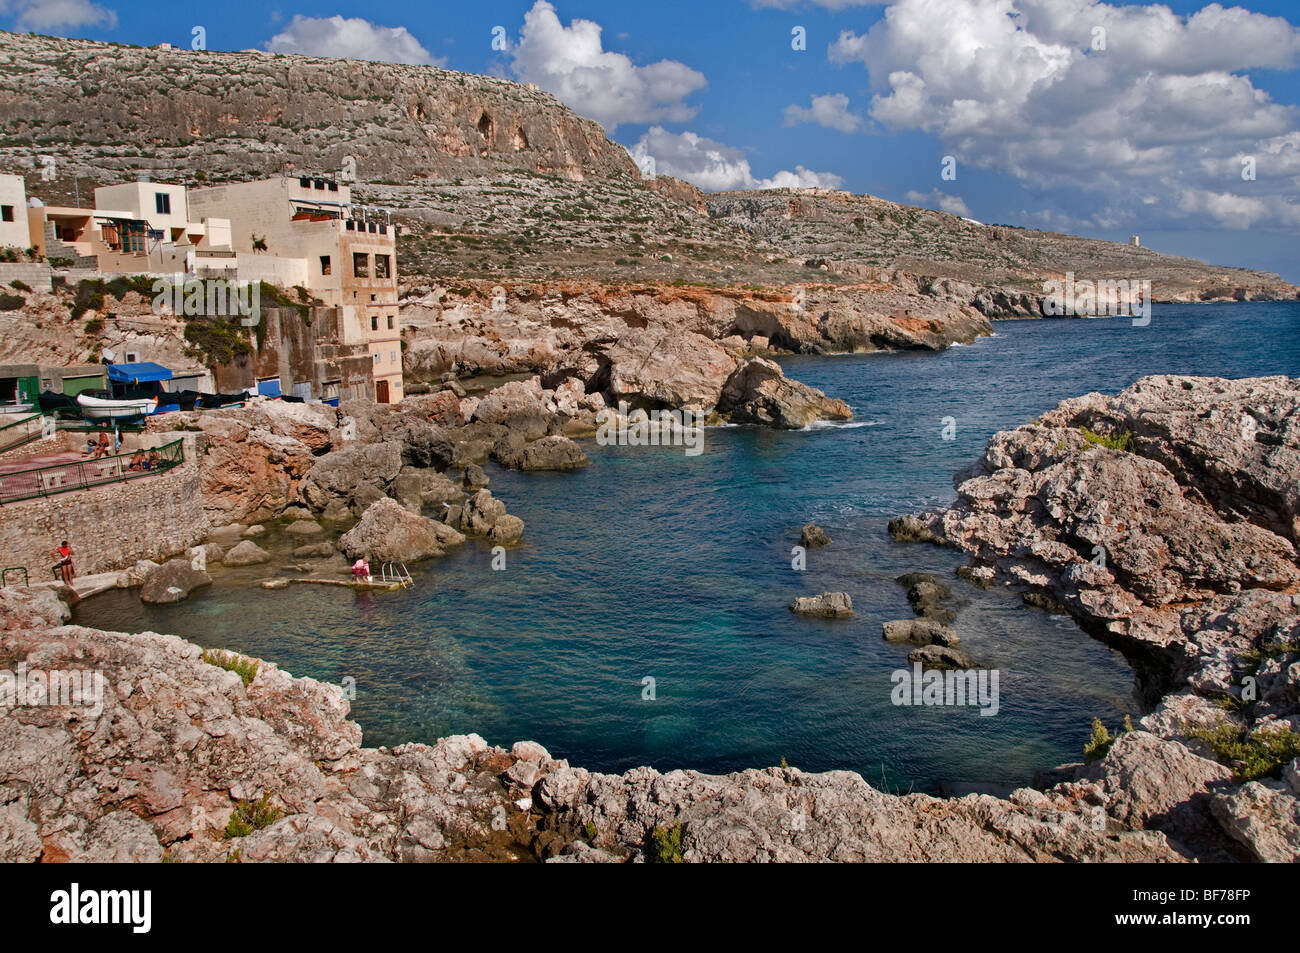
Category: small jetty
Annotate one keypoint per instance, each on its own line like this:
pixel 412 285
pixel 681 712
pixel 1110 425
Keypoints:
pixel 391 585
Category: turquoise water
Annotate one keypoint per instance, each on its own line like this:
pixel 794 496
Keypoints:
pixel 653 564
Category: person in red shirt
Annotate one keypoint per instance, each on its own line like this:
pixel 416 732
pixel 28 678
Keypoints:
pixel 64 556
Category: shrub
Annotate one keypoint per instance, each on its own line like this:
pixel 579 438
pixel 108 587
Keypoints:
pixel 219 340
pixel 245 668
pixel 249 816
pixel 1121 441
pixel 1098 744
pixel 1252 757
pixel 93 327
pixel 10 302
pixel 666 845
pixel 20 285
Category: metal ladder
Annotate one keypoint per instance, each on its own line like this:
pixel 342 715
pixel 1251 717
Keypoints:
pixel 16 570
pixel 396 573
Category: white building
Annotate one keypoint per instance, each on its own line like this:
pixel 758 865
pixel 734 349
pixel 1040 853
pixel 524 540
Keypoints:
pixel 13 212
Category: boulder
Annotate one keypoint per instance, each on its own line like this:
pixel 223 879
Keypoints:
pixel 388 532
pixel 314 551
pixel 928 596
pixel 337 474
pixel 173 581
pixel 548 453
pixel 942 657
pixel 828 605
pixel 667 367
pixel 520 406
pixel 919 632
pixel 475 478
pixel 480 515
pixel 247 553
pixel 304 528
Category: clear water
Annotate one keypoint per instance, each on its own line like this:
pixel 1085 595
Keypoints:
pixel 653 564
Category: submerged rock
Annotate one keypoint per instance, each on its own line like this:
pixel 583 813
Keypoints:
pixel 247 553
pixel 942 657
pixel 920 632
pixel 813 535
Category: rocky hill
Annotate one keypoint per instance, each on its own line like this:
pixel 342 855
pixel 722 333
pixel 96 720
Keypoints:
pixel 495 179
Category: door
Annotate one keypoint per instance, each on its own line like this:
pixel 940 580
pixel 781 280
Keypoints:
pixel 381 391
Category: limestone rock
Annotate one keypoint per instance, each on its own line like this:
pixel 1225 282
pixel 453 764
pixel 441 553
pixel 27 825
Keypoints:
pixel 389 532
pixel 828 605
pixel 247 553
pixel 173 581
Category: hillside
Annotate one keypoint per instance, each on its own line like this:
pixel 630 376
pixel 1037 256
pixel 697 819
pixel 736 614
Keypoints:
pixel 497 180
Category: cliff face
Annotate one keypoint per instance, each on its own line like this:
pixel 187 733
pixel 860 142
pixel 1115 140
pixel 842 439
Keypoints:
pixel 117 109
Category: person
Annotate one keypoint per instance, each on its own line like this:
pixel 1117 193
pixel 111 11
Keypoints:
pixel 90 446
pixel 64 565
pixel 137 461
pixel 361 570
pixel 153 461
pixel 101 448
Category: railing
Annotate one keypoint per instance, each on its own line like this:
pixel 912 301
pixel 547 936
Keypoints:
pixel 17 571
pixel 19 432
pixel 83 474
pixel 396 574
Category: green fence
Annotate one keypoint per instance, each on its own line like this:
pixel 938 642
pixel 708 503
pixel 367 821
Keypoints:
pixel 18 432
pixel 83 474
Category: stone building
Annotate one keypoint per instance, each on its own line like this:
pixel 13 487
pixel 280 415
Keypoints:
pixel 350 252
pixel 13 212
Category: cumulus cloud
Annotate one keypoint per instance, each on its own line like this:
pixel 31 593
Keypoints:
pixel 714 166
pixel 831 111
pixel 53 15
pixel 351 38
pixel 571 63
pixel 1144 111
pixel 953 204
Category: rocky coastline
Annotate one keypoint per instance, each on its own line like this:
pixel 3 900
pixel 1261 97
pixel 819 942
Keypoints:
pixel 195 755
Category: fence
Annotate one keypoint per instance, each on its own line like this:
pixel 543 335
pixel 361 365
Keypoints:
pixel 83 474
pixel 18 432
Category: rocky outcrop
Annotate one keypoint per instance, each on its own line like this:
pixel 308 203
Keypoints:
pixel 813 535
pixel 920 632
pixel 1163 520
pixel 388 532
pixel 758 392
pixel 484 515
pixel 191 745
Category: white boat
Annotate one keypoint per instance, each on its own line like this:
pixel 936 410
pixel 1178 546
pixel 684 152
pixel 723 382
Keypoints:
pixel 99 408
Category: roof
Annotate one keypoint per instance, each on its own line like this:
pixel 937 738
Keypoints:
pixel 144 371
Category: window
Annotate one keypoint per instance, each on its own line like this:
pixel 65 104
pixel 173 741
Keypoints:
pixel 6 213
pixel 304 182
pixel 378 357
pixel 360 265
pixel 392 357
pixel 374 322
pixel 372 297
pixel 334 186
pixel 390 322
pixel 382 263
pixel 162 203
pixel 324 264
pixel 320 184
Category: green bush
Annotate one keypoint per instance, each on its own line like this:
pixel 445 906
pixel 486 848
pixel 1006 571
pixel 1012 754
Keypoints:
pixel 10 302
pixel 1098 744
pixel 219 340
pixel 1261 755
pixel 666 845
pixel 1121 441
pixel 93 327
pixel 20 285
pixel 245 668
pixel 250 816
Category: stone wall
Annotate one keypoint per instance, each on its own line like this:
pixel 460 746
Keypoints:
pixel 34 274
pixel 108 527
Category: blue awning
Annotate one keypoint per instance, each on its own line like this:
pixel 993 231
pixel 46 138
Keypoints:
pixel 143 371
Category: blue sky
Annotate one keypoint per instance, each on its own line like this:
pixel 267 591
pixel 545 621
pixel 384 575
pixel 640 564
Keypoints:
pixel 1176 121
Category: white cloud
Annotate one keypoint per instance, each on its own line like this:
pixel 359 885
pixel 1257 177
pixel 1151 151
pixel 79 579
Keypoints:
pixel 714 166
pixel 1150 130
pixel 831 111
pixel 570 63
pixel 352 38
pixel 51 15
pixel 953 204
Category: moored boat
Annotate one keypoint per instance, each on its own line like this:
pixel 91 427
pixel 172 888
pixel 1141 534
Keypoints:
pixel 101 408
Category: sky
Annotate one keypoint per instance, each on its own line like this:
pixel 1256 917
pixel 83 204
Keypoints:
pixel 1179 122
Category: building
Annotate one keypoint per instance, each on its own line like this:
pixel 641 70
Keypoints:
pixel 1135 241
pixel 13 212
pixel 24 383
pixel 349 251
pixel 136 228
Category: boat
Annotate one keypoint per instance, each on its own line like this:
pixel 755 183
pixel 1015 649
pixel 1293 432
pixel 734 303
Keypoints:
pixel 102 408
